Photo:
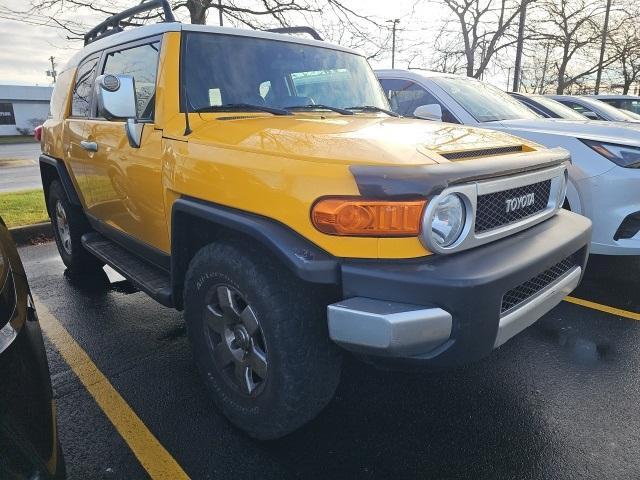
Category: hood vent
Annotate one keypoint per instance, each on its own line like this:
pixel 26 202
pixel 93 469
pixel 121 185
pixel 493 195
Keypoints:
pixel 482 153
pixel 237 117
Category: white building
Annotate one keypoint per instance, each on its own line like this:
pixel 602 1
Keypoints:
pixel 21 106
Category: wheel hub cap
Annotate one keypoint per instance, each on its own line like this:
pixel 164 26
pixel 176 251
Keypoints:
pixel 63 228
pixel 236 340
pixel 242 338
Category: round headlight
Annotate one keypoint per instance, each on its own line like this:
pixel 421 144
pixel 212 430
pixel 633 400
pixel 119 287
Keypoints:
pixel 448 220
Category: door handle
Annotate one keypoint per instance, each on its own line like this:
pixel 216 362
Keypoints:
pixel 89 146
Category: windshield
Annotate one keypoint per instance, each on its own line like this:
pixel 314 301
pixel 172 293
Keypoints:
pixel 484 102
pixel 219 70
pixel 612 113
pixel 559 109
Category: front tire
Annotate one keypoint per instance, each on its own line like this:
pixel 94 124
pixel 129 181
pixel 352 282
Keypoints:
pixel 69 224
pixel 260 340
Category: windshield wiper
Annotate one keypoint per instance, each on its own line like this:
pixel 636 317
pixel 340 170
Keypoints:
pixel 372 108
pixel 315 106
pixel 247 107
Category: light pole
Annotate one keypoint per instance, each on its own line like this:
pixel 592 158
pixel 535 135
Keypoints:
pixel 517 75
pixel 394 23
pixel 603 46
pixel 220 12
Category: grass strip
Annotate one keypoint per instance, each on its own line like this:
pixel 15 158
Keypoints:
pixel 23 208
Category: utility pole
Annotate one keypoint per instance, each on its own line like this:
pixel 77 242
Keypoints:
pixel 220 12
pixel 52 73
pixel 517 76
pixel 544 67
pixel 603 46
pixel 395 22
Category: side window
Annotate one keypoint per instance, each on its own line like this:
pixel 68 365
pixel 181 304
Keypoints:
pixel 543 112
pixel 83 87
pixel 142 63
pixel 579 108
pixel 405 96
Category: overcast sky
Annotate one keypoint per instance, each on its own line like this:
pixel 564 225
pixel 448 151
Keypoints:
pixel 25 49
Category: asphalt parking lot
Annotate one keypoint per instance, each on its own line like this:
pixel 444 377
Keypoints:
pixel 558 401
pixel 19 166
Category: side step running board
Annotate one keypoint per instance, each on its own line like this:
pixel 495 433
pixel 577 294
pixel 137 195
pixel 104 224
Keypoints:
pixel 146 277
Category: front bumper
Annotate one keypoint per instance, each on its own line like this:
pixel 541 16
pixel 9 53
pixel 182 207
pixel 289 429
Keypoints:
pixel 449 310
pixel 607 200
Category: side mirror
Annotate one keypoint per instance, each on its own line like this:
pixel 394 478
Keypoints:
pixel 590 115
pixel 117 100
pixel 429 112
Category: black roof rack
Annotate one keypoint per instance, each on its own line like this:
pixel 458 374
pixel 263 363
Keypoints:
pixel 116 23
pixel 308 30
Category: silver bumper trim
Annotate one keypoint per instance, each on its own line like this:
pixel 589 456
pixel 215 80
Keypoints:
pixel 377 327
pixel 513 323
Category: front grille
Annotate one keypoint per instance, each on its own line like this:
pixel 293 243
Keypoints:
pixel 523 292
pixel 493 211
pixel 482 153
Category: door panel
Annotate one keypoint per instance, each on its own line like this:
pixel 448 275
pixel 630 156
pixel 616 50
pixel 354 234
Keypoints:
pixel 126 183
pixel 76 159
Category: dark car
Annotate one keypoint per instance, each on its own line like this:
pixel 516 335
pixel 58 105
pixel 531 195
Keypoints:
pixel 29 446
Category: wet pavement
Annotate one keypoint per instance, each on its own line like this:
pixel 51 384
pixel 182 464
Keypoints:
pixel 558 401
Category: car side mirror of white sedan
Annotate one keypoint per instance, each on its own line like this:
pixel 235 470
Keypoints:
pixel 432 111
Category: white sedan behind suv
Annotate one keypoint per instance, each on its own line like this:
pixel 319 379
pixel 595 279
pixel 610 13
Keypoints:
pixel 604 177
pixel 596 109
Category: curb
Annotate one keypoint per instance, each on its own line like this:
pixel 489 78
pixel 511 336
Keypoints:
pixel 32 234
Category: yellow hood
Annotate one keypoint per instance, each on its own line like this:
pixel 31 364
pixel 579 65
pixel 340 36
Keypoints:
pixel 354 139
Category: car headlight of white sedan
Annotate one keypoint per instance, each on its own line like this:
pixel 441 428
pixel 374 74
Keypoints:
pixel 622 155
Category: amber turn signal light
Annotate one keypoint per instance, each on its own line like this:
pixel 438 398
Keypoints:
pixel 375 218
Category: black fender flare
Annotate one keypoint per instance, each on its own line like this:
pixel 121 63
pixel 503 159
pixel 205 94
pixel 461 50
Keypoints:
pixel 63 175
pixel 305 259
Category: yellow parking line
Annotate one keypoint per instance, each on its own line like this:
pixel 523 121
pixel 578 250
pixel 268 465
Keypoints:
pixel 604 308
pixel 158 463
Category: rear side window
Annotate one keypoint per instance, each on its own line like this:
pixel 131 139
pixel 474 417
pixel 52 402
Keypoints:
pixel 142 63
pixel 578 108
pixel 82 88
pixel 405 96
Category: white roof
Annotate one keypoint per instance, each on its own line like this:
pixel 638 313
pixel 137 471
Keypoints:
pixel 138 33
pixel 25 92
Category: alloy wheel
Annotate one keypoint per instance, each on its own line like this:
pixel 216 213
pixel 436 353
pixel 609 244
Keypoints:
pixel 62 225
pixel 236 340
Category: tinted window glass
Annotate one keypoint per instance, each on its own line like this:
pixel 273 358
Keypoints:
pixel 631 105
pixel 405 96
pixel 142 63
pixel 246 70
pixel 559 110
pixel 579 108
pixel 81 99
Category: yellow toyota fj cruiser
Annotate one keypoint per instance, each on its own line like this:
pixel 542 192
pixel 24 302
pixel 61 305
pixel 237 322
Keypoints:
pixel 258 181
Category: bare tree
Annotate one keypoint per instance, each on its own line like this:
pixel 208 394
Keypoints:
pixel 477 31
pixel 625 43
pixel 335 16
pixel 574 29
